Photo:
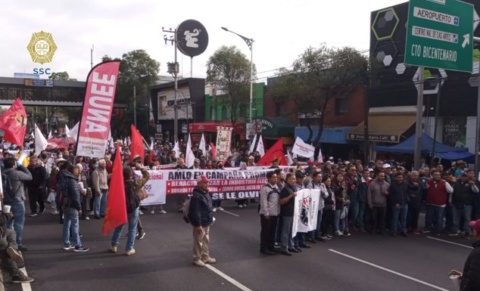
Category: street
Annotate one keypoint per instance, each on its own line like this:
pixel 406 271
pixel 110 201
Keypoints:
pixel 163 259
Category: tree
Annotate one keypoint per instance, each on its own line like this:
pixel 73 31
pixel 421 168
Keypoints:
pixel 63 76
pixel 139 70
pixel 228 69
pixel 318 76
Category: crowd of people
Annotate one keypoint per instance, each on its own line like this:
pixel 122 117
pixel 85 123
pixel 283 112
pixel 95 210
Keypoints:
pixel 382 197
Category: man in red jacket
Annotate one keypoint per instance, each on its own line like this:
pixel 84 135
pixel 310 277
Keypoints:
pixel 438 191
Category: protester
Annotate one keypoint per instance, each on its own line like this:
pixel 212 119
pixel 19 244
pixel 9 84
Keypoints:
pixel 100 189
pixel 132 204
pixel 287 203
pixel 37 186
pixel 17 175
pixel 201 218
pixel 269 211
pixel 470 277
pixel 72 207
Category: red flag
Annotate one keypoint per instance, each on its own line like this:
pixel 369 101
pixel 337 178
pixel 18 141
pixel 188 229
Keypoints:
pixel 137 147
pixel 13 122
pixel 213 149
pixel 116 205
pixel 274 153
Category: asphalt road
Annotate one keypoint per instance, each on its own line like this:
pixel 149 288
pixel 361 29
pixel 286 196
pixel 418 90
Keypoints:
pixel 163 259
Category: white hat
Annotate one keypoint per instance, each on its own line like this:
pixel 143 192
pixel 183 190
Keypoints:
pixel 330 158
pixel 386 166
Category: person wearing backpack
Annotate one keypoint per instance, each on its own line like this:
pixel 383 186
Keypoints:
pixel 269 211
pixel 16 175
pixel 200 215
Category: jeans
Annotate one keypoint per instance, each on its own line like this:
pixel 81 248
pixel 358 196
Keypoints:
pixel 318 230
pixel 338 222
pixel 353 212
pixel 412 216
pixel 18 209
pixel 434 218
pixel 399 216
pixel 132 231
pixel 466 213
pixel 267 233
pixel 71 226
pixel 299 239
pixel 100 203
pixel 286 236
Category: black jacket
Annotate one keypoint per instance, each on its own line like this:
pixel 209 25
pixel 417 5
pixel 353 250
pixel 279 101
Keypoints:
pixel 131 198
pixel 471 270
pixel 462 194
pixel 398 193
pixel 39 178
pixel 201 208
pixel 287 208
pixel 71 191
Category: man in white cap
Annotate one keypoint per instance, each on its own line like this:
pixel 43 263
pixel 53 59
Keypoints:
pixel 470 277
pixel 201 217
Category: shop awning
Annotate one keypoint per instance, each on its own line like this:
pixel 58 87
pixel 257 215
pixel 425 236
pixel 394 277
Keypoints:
pixel 335 135
pixel 276 126
pixel 211 126
pixel 384 127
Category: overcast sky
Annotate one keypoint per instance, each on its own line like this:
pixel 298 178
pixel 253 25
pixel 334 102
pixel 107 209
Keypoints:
pixel 282 30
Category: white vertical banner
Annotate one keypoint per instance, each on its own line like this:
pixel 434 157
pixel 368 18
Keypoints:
pixel 305 213
pixel 202 146
pixel 224 140
pixel 189 156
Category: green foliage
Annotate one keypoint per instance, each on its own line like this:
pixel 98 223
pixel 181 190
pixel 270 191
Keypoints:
pixel 228 70
pixel 63 76
pixel 318 76
pixel 139 70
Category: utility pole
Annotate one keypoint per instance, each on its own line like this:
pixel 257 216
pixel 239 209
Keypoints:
pixel 91 57
pixel 419 119
pixel 173 69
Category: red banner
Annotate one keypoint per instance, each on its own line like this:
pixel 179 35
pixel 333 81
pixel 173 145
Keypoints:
pixel 13 122
pixel 97 110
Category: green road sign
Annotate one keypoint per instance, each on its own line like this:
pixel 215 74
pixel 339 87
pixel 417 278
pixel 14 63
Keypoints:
pixel 440 35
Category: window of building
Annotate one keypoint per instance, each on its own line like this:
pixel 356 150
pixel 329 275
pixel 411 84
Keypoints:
pixel 341 106
pixel 212 113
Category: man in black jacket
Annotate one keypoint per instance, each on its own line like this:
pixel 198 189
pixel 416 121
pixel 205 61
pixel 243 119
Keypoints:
pixel 470 278
pixel 36 187
pixel 201 217
pixel 399 204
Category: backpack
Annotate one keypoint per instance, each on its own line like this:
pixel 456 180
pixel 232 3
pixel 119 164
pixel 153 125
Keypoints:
pixel 186 209
pixel 8 193
pixel 272 190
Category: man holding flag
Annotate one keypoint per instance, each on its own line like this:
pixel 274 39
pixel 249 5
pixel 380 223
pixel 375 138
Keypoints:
pixel 122 206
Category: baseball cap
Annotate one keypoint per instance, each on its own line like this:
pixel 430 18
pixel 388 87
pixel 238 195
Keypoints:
pixel 386 166
pixel 202 178
pixel 475 224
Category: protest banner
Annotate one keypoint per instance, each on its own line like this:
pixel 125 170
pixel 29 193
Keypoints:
pixel 305 212
pixel 223 184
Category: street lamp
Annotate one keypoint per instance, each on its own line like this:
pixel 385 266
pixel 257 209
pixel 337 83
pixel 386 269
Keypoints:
pixel 249 42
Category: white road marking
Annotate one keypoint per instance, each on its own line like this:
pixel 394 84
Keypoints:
pixel 449 242
pixel 231 213
pixel 25 286
pixel 389 271
pixel 228 278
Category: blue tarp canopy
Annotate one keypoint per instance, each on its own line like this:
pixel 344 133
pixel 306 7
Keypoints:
pixel 441 150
